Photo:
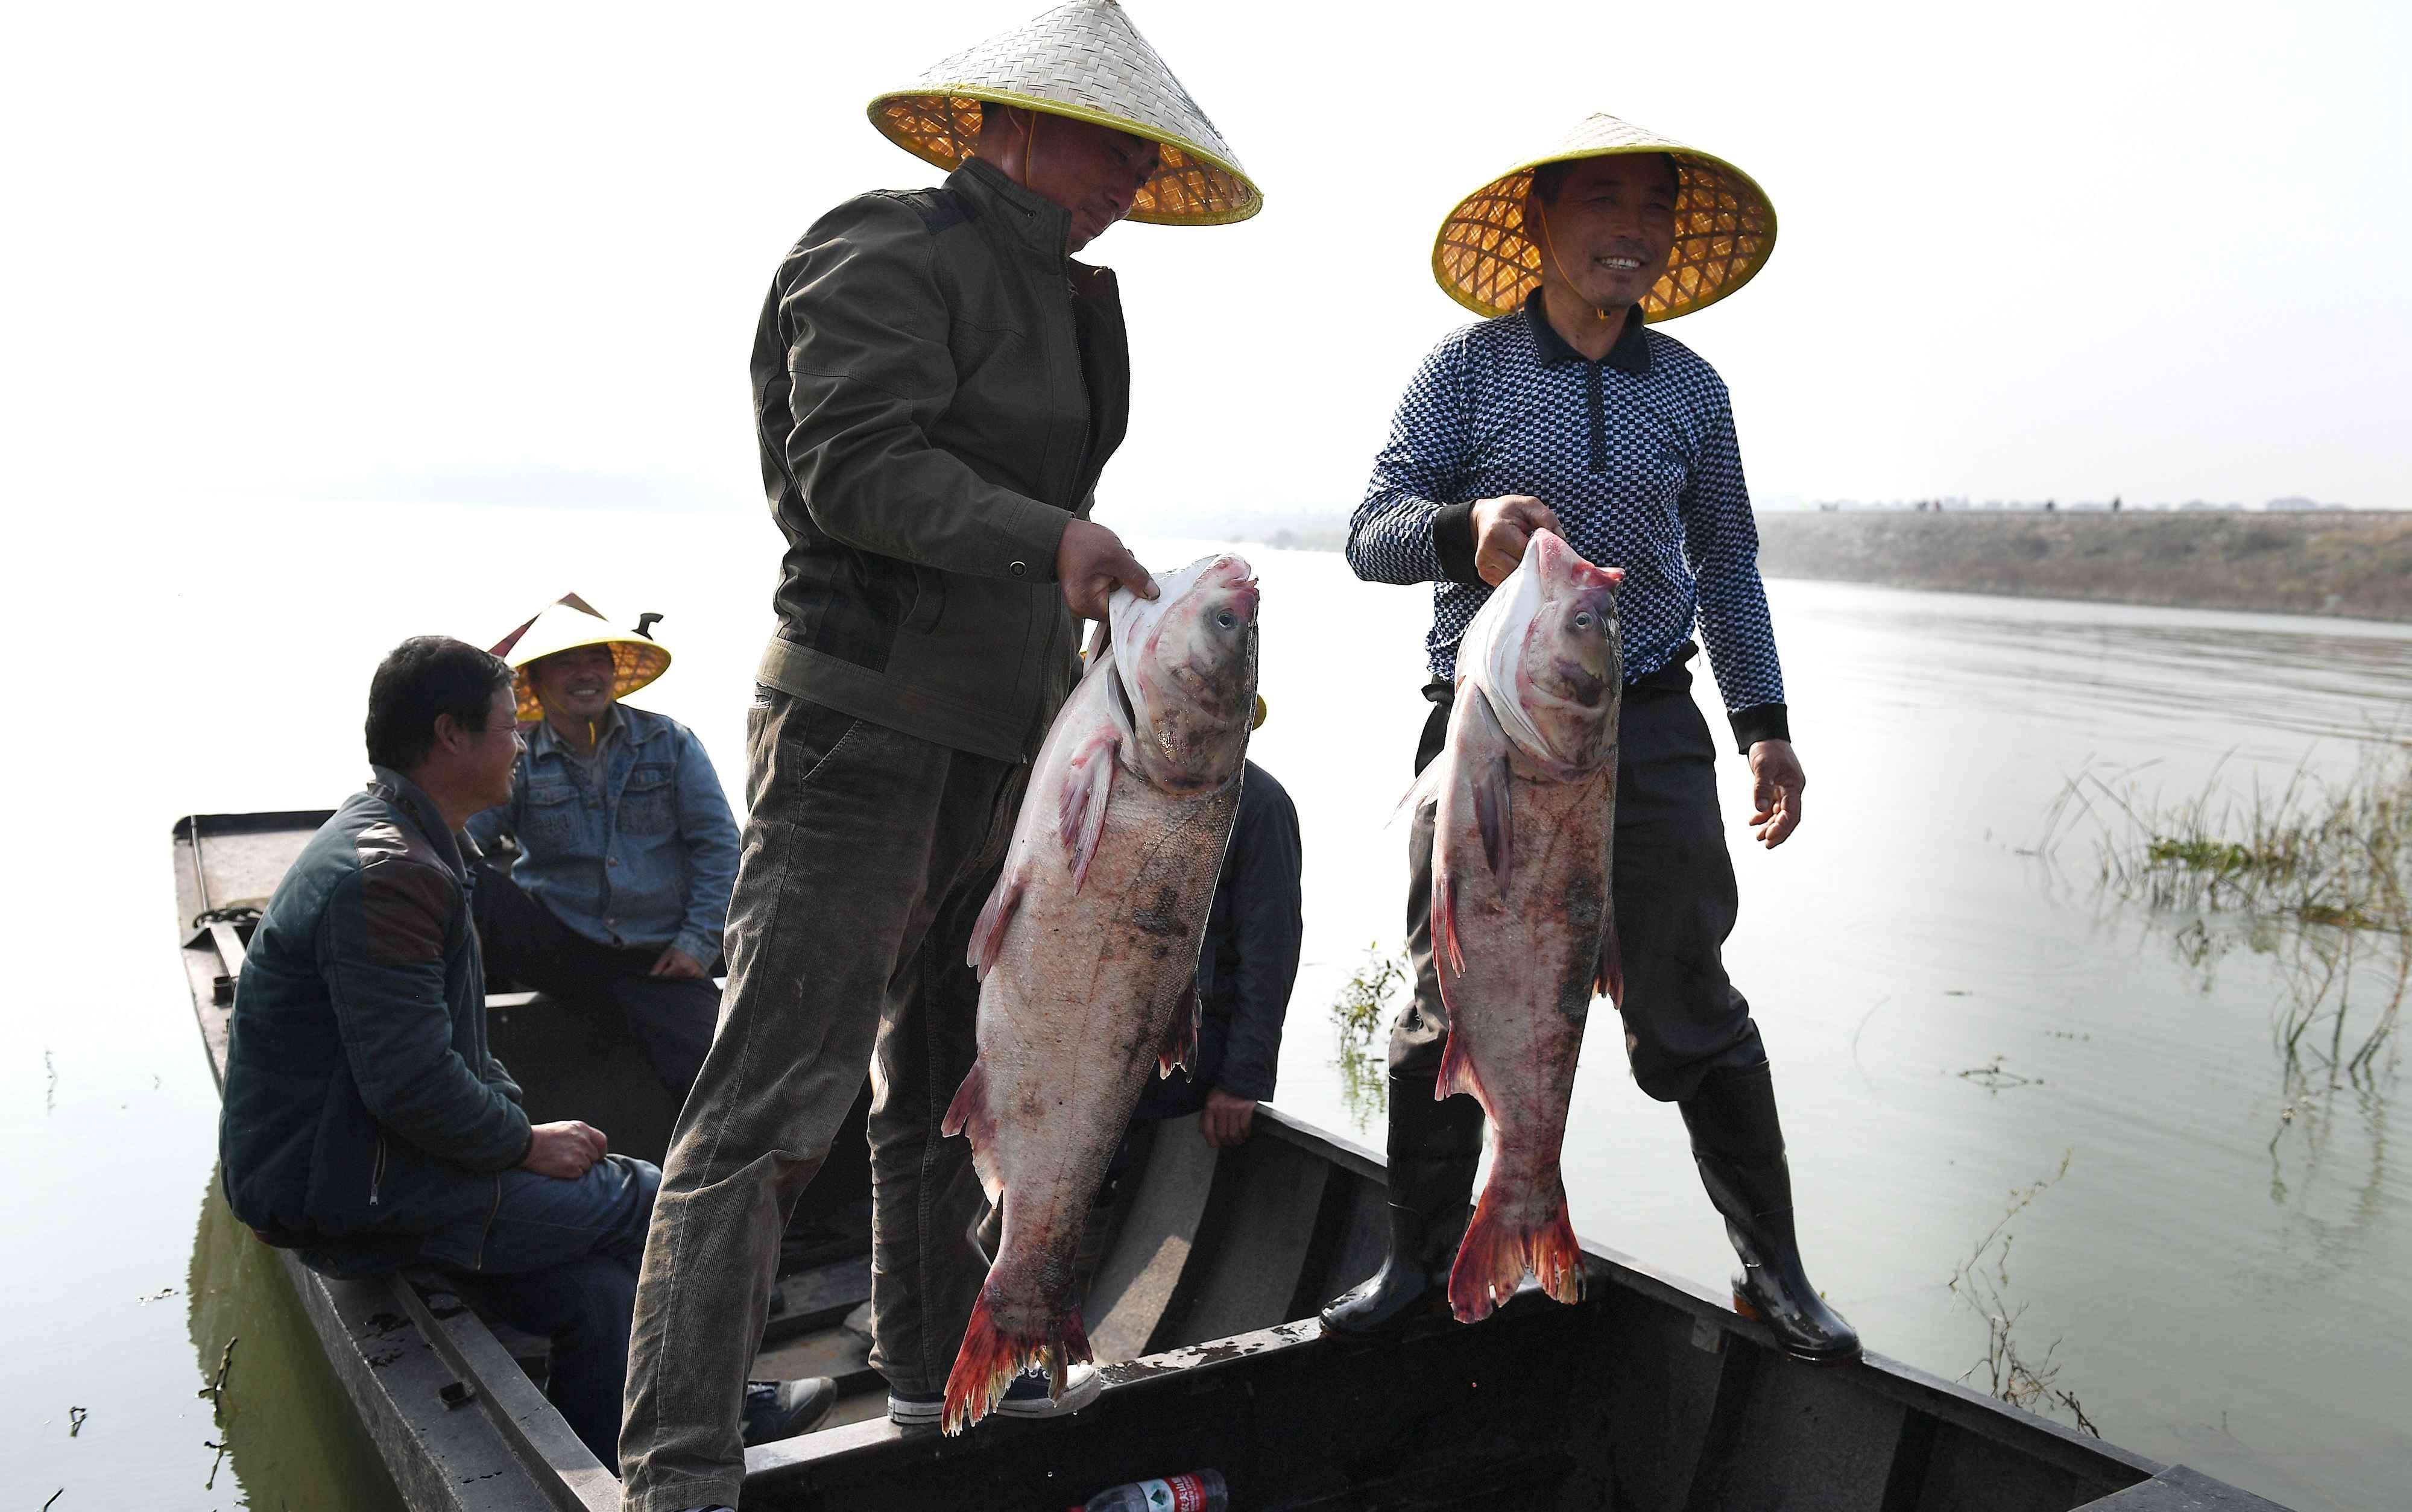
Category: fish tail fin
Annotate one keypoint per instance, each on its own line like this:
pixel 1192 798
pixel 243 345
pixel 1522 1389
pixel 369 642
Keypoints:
pixel 1181 1046
pixel 992 1356
pixel 968 1116
pixel 995 915
pixel 1495 1254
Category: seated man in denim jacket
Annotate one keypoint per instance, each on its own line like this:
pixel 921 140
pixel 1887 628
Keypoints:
pixel 366 1124
pixel 626 847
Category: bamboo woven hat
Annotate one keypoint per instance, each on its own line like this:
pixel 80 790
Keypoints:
pixel 1086 61
pixel 1725 227
pixel 567 623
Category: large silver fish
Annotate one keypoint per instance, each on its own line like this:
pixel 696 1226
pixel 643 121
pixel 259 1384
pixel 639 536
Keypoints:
pixel 1088 948
pixel 1523 932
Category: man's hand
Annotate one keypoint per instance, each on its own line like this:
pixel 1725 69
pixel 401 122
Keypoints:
pixel 674 961
pixel 1227 1118
pixel 1091 563
pixel 1775 783
pixel 567 1149
pixel 1502 528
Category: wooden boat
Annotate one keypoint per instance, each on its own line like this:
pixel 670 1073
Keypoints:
pixel 1650 1396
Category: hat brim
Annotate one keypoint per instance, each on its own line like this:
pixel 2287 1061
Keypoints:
pixel 1725 229
pixel 1193 185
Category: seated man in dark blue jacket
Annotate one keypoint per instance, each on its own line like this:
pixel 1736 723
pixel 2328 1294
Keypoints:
pixel 1245 969
pixel 367 1125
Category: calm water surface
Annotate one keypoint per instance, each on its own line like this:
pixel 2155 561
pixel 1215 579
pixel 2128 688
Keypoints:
pixel 2224 1288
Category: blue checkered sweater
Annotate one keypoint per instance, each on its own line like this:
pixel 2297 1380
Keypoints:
pixel 1636 455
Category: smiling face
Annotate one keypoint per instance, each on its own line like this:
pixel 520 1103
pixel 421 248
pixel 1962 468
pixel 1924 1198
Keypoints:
pixel 1607 232
pixel 1095 172
pixel 574 685
pixel 489 755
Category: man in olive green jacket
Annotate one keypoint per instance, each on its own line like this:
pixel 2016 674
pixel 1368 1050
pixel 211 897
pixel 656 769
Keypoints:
pixel 937 387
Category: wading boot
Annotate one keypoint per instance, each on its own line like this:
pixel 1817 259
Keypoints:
pixel 1740 1148
pixel 1434 1147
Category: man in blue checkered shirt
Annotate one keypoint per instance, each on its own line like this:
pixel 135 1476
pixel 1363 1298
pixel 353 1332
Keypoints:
pixel 1566 414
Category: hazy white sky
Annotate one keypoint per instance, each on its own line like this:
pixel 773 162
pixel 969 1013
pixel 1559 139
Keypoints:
pixel 515 252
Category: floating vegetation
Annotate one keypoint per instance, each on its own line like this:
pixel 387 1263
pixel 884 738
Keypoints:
pixel 1993 1076
pixel 1983 1282
pixel 1359 1013
pixel 76 1417
pixel 2315 875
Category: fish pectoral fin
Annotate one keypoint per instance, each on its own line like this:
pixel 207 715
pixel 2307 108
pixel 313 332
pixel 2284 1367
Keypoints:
pixel 1457 1073
pixel 996 916
pixel 1491 786
pixel 1181 1045
pixel 1081 808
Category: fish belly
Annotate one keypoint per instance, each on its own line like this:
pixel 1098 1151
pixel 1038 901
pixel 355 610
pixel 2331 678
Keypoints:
pixel 1090 993
pixel 1517 1009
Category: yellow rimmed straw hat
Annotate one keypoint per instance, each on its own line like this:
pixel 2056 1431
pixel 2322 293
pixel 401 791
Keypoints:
pixel 1086 61
pixel 1725 227
pixel 567 623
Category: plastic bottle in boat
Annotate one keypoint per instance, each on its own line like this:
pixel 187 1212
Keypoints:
pixel 1199 1492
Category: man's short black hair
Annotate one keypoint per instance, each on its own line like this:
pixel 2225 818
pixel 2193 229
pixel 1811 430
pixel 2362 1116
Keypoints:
pixel 421 679
pixel 1550 178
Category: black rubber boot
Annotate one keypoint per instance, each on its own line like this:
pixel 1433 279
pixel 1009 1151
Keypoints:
pixel 1740 1148
pixel 1434 1147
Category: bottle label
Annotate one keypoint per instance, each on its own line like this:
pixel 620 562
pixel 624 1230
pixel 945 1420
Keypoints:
pixel 1182 1494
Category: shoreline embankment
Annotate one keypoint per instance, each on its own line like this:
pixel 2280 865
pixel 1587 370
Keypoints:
pixel 2356 565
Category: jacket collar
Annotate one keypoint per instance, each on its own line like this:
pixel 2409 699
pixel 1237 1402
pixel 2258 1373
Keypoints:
pixel 1029 217
pixel 421 810
pixel 541 741
pixel 1631 353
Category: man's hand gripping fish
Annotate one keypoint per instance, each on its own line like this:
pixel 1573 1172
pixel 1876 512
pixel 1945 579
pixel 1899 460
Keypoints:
pixel 1523 932
pixel 1088 949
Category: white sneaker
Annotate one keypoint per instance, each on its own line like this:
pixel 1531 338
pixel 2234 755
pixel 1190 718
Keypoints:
pixel 1026 1398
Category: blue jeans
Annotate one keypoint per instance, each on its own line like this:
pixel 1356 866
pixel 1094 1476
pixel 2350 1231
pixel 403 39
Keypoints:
pixel 559 1258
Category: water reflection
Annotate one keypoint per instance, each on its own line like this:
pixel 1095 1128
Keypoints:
pixel 286 1435
pixel 1360 1015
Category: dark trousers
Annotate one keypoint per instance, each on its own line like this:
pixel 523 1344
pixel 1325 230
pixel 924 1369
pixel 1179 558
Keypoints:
pixel 1674 899
pixel 557 1258
pixel 867 856
pixel 671 1018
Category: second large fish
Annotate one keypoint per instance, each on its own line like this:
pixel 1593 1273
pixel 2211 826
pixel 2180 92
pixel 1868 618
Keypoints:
pixel 1522 932
pixel 1088 949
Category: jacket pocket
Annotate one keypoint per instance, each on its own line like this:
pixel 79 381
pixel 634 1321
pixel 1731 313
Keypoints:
pixel 553 816
pixel 928 601
pixel 648 805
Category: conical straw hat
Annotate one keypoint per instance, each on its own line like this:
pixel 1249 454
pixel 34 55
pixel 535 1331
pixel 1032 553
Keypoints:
pixel 1085 60
pixel 567 623
pixel 1724 228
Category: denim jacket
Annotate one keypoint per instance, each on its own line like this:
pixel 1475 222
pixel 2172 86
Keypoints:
pixel 644 860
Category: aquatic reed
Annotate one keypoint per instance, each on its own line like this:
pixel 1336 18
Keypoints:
pixel 2317 875
pixel 1360 1012
pixel 1983 1282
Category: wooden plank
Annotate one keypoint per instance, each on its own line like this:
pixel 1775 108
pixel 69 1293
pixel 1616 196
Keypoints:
pixel 556 1459
pixel 2179 1488
pixel 1143 1270
pixel 1251 1243
pixel 819 1297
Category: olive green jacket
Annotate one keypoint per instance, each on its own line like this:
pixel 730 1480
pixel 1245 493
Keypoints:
pixel 937 387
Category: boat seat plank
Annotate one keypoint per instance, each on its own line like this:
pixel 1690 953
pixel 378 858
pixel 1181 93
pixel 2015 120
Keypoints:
pixel 2179 1488
pixel 1808 1439
pixel 1259 1224
pixel 1142 1271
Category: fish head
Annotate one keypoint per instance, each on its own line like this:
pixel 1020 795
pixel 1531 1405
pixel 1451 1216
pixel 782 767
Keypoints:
pixel 1556 668
pixel 1187 665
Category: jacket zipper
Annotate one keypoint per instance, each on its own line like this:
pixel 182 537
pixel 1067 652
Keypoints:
pixel 376 1177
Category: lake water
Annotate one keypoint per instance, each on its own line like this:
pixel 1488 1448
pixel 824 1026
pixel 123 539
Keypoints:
pixel 2221 1265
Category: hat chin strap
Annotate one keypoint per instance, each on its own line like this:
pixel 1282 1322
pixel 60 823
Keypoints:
pixel 1550 248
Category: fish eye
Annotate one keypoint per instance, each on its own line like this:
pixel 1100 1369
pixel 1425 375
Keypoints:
pixel 1228 620
pixel 1582 619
